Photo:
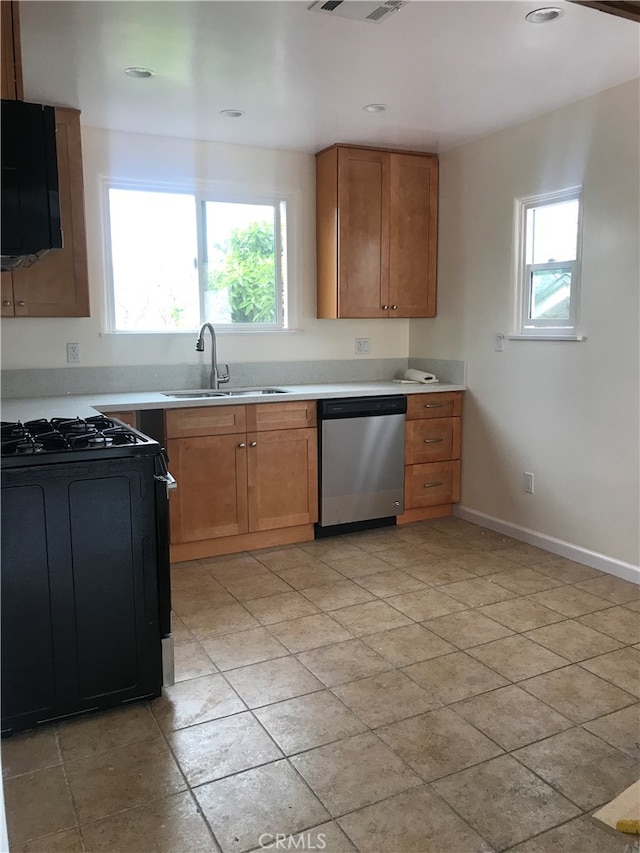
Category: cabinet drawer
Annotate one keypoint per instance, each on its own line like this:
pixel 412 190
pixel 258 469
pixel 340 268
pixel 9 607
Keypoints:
pixel 205 420
pixel 431 484
pixel 439 405
pixel 432 440
pixel 299 414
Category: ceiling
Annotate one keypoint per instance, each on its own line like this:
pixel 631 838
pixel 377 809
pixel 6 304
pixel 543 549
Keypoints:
pixel 449 71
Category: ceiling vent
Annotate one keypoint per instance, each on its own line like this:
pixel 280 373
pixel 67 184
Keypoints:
pixel 358 10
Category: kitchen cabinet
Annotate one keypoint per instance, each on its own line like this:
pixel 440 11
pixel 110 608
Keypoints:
pixel 376 233
pixel 432 455
pixel 11 62
pixel 128 418
pixel 57 285
pixel 246 475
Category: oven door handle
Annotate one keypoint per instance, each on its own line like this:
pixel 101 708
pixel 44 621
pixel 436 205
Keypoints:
pixel 168 479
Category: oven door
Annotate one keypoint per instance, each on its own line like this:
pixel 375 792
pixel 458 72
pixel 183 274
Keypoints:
pixel 80 605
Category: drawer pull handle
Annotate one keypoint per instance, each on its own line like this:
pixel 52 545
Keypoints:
pixel 433 405
pixel 253 444
pixel 242 444
pixel 21 303
pixel 432 485
pixel 432 440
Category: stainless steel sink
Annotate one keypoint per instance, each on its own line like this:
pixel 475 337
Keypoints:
pixel 249 392
pixel 202 393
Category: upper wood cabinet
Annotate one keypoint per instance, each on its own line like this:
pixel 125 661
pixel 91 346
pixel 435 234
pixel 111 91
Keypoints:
pixel 11 60
pixel 376 229
pixel 58 284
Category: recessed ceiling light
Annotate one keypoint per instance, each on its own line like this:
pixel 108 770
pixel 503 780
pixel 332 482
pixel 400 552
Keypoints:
pixel 139 73
pixel 232 113
pixel 375 108
pixel 545 15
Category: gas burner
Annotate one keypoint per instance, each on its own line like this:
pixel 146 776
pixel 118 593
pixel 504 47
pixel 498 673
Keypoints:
pixel 13 431
pixel 96 435
pixel 121 435
pixel 31 446
pixel 100 422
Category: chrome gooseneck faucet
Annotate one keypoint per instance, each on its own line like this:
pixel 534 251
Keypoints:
pixel 215 377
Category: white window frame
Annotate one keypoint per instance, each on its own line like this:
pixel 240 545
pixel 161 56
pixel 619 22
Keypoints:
pixel 282 203
pixel 547 328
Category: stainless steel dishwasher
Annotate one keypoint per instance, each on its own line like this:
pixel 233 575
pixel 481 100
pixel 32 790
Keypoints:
pixel 361 460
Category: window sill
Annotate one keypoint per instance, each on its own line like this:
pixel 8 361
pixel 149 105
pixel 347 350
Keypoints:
pixel 220 331
pixel 546 338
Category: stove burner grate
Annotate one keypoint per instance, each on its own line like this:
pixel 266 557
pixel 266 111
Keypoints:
pixel 65 434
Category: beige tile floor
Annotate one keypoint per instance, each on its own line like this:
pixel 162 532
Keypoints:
pixel 435 688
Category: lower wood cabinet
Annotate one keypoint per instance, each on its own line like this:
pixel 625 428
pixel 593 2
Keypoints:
pixel 249 479
pixel 432 455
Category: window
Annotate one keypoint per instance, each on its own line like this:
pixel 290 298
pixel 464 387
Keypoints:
pixel 550 263
pixel 180 259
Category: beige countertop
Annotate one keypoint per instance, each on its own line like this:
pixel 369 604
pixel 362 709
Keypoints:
pixel 85 405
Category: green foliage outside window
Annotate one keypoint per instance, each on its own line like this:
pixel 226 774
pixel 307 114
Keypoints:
pixel 248 273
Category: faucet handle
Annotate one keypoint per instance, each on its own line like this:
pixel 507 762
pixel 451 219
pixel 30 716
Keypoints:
pixel 223 377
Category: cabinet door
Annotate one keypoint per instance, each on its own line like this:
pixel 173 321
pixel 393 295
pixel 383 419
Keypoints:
pixel 363 232
pixel 283 478
pixel 413 236
pixel 7 294
pixel 11 59
pixel 58 285
pixel 211 498
pixel 28 685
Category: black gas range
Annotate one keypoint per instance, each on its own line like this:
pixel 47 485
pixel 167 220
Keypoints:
pixel 61 439
pixel 85 583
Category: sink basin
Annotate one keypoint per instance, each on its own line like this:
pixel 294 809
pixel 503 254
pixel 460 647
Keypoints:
pixel 250 392
pixel 201 393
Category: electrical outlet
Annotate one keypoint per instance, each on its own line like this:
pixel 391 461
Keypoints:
pixel 362 346
pixel 73 353
pixel 527 482
pixel 498 343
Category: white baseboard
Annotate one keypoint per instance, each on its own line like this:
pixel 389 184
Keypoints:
pixel 619 568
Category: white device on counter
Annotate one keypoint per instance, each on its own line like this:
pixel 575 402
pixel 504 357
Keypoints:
pixel 420 376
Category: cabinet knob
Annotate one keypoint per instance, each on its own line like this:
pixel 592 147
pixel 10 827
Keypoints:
pixel 242 444
pixel 21 303
pixel 6 303
pixel 253 444
pixel 385 307
pixel 394 307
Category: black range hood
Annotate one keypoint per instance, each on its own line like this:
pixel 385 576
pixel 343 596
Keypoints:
pixel 30 198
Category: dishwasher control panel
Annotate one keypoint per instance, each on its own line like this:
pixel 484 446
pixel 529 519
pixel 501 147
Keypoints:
pixel 360 407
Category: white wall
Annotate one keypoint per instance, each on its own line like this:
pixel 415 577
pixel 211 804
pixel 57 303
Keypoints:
pixel 568 412
pixel 32 343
